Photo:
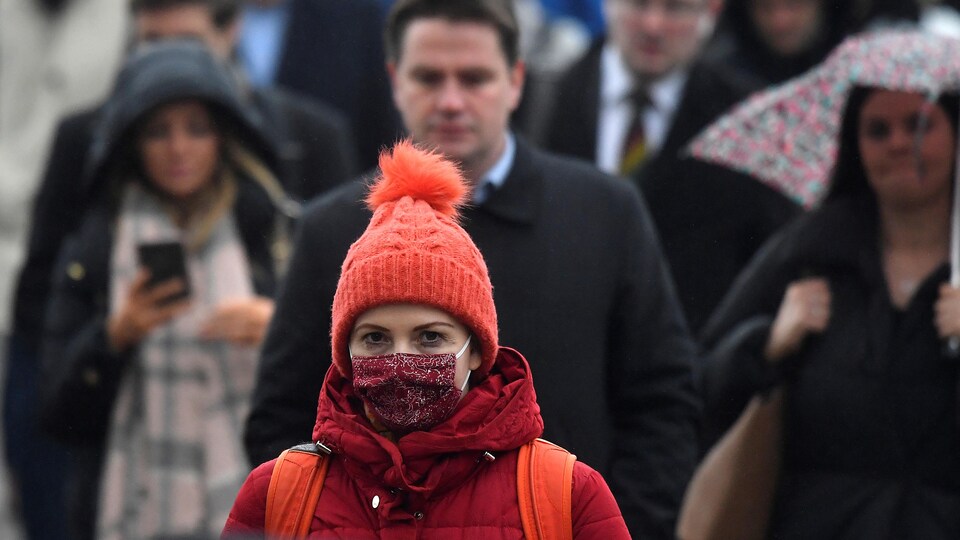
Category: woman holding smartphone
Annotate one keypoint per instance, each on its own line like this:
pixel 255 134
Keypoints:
pixel 149 366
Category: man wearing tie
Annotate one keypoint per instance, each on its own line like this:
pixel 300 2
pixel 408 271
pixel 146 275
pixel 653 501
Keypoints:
pixel 632 104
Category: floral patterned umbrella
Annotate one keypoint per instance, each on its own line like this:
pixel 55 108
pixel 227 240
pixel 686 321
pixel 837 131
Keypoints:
pixel 787 136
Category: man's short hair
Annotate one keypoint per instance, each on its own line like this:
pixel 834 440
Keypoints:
pixel 223 12
pixel 496 13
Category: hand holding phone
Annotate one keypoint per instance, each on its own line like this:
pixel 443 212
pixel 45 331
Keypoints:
pixel 143 309
pixel 165 261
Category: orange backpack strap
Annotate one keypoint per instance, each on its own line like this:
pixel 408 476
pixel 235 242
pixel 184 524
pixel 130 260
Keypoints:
pixel 545 490
pixel 295 490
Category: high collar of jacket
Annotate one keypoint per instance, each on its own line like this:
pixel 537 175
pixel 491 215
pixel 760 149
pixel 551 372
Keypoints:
pixel 498 415
pixel 842 232
pixel 842 235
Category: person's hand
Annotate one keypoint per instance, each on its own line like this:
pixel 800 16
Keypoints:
pixel 241 322
pixel 947 312
pixel 805 309
pixel 143 310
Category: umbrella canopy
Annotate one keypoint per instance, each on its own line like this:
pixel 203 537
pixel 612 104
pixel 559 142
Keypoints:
pixel 787 136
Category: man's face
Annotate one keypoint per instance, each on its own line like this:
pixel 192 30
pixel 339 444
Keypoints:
pixel 193 21
pixel 656 37
pixel 455 90
pixel 787 26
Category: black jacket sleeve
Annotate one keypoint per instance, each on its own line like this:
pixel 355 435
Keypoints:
pixel 734 368
pixel 81 375
pixel 654 403
pixel 58 209
pixel 296 353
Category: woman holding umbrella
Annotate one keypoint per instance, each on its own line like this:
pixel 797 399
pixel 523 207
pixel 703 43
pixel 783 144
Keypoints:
pixel 848 311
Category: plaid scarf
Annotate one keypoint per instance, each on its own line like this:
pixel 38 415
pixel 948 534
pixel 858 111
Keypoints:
pixel 174 459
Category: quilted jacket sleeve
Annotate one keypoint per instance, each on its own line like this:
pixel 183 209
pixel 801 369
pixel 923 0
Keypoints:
pixel 247 517
pixel 595 511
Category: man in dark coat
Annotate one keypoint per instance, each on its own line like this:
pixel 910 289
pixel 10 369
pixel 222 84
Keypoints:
pixel 578 276
pixel 709 219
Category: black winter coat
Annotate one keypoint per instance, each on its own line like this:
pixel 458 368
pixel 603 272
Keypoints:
pixel 872 446
pixel 710 220
pixel 580 289
pixel 80 374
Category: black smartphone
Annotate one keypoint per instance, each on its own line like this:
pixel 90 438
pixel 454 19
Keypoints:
pixel 165 260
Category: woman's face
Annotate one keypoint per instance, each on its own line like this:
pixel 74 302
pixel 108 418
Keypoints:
pixel 898 170
pixel 179 148
pixel 788 27
pixel 415 329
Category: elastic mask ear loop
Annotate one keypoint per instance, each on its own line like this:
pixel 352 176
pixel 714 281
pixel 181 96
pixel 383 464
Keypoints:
pixel 458 355
pixel 464 348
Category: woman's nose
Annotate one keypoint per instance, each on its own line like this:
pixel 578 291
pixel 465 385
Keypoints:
pixel 901 138
pixel 179 141
pixel 404 347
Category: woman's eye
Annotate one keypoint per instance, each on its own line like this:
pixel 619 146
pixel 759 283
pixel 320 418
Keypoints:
pixel 431 338
pixel 877 130
pixel 375 338
pixel 916 123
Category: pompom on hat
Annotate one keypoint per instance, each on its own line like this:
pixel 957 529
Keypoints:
pixel 414 251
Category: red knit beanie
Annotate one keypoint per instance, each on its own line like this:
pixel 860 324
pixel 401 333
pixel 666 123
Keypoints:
pixel 414 251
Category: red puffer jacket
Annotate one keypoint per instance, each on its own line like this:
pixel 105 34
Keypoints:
pixel 431 484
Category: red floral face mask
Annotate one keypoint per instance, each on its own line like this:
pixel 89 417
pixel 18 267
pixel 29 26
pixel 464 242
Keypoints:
pixel 409 392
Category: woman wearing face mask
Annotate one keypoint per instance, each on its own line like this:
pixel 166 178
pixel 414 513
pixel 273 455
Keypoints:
pixel 423 412
pixel 148 387
pixel 848 310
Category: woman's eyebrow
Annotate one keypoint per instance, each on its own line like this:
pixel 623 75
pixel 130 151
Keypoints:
pixel 434 323
pixel 369 326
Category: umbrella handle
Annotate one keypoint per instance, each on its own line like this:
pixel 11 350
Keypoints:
pixel 952 348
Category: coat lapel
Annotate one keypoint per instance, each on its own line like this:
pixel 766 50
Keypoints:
pixel 520 197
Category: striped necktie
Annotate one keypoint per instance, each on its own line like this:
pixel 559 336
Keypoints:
pixel 635 143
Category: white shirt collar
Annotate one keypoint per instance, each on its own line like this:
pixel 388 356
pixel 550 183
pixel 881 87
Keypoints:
pixel 497 175
pixel 616 108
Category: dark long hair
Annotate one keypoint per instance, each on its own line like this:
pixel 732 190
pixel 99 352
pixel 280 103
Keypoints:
pixel 848 178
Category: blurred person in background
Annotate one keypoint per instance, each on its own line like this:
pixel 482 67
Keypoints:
pixel 151 389
pixel 56 56
pixel 774 40
pixel 329 51
pixel 310 141
pixel 311 137
pixel 631 104
pixel 770 41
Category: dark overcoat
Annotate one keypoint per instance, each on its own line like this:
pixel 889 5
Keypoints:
pixel 710 220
